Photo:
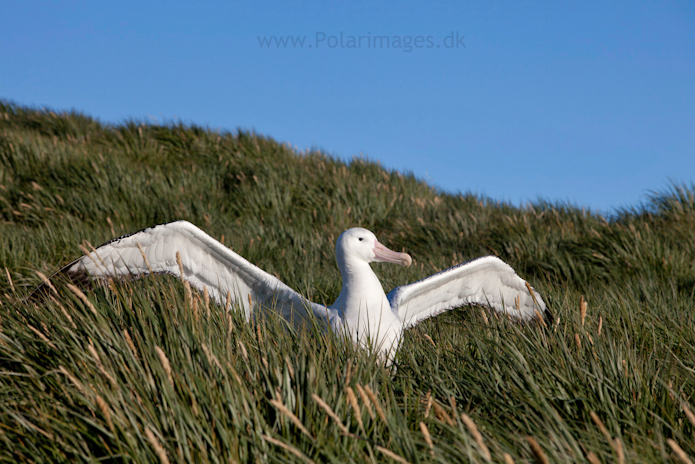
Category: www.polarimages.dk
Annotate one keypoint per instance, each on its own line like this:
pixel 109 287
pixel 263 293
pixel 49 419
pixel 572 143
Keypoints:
pixel 406 43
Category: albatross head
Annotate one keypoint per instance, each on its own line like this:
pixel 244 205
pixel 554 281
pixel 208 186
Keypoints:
pixel 360 245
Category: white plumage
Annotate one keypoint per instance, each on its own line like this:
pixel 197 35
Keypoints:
pixel 362 309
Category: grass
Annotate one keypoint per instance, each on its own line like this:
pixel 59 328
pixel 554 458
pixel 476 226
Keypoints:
pixel 139 372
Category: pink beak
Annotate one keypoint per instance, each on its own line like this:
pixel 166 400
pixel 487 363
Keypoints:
pixel 383 254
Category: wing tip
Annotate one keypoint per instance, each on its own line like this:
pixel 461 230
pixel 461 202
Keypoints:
pixel 78 277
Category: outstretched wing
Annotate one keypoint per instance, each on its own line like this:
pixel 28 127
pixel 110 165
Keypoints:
pixel 206 264
pixel 486 281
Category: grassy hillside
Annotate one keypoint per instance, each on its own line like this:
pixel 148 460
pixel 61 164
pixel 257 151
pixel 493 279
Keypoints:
pixel 141 372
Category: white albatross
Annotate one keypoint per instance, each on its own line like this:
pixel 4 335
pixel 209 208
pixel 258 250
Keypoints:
pixel 362 310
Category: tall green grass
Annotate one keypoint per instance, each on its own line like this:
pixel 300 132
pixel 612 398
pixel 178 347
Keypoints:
pixel 139 372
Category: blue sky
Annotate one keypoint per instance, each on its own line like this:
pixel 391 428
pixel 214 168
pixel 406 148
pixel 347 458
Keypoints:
pixel 591 103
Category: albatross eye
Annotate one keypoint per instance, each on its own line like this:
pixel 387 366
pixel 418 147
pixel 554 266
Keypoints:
pixel 361 238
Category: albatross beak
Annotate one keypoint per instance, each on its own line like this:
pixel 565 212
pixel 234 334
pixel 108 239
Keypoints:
pixel 383 254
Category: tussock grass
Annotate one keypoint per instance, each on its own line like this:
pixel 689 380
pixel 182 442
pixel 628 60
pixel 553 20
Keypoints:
pixel 141 372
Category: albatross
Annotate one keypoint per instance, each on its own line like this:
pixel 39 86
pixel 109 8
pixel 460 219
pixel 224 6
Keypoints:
pixel 369 316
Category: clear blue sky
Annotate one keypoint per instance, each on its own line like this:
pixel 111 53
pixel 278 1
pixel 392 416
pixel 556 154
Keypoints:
pixel 586 102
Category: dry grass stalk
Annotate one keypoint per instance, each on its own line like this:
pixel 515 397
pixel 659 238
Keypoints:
pixel 65 312
pixel 194 406
pixel 288 448
pixel 242 348
pixel 290 415
pixel 330 412
pixel 600 325
pixel 194 306
pixel 9 279
pixel 165 363
pixel 689 414
pixel 430 339
pixel 179 261
pixel 144 256
pixel 475 433
pixel 105 411
pixel 599 423
pixel 189 292
pixel 228 303
pixel 428 438
pixel 442 415
pixel 670 391
pixel 578 340
pixel 679 451
pixel 72 379
pixel 94 252
pixel 391 454
pixel 508 459
pixel 541 458
pixel 110 222
pixel 618 445
pixel 82 297
pixel 428 405
pixel 289 367
pixel 212 359
pixel 259 336
pixel 365 399
pixel 540 318
pixel 85 251
pixel 352 399
pixel 592 458
pixel 42 336
pixel 206 298
pixel 234 373
pixel 533 295
pixel 158 449
pixel 583 307
pixel 535 303
pixel 130 343
pixel 44 279
pixel 29 425
pixel 375 401
pixel 100 366
pixel 88 254
pixel 452 402
pixel 230 324
pixel 485 319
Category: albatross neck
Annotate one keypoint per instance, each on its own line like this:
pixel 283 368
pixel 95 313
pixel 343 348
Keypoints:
pixel 360 287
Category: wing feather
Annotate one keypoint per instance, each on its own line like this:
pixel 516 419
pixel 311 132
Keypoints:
pixel 206 264
pixel 486 281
